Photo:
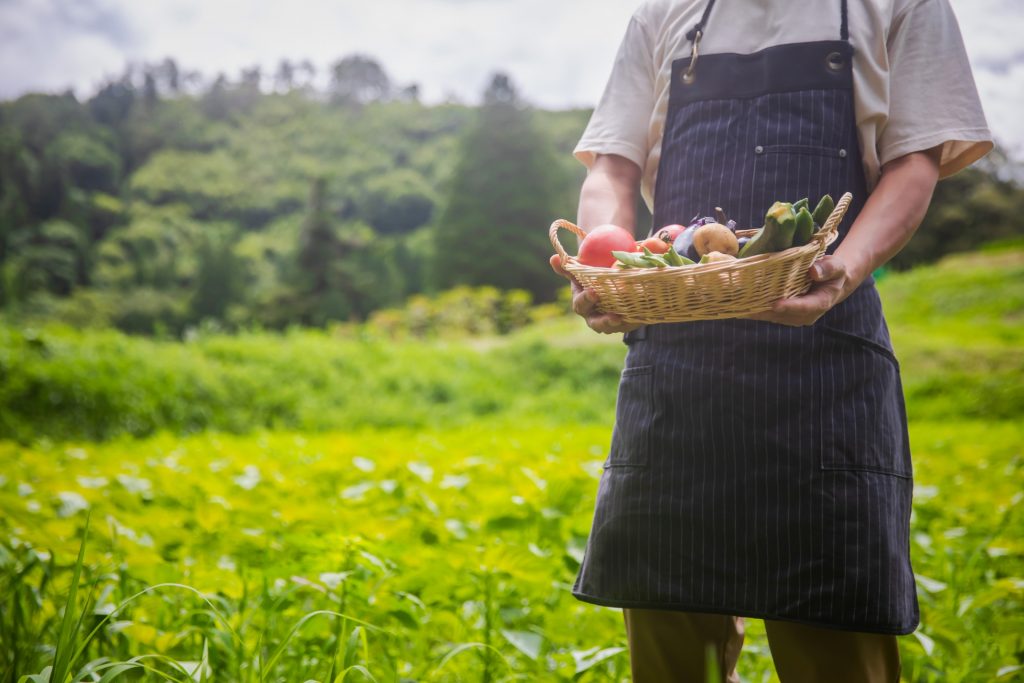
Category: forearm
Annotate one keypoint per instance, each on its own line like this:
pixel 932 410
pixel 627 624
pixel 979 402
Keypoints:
pixel 891 215
pixel 609 194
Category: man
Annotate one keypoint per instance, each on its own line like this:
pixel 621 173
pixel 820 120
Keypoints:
pixel 761 467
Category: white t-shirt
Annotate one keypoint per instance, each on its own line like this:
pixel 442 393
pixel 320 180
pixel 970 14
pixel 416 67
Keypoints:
pixel 912 83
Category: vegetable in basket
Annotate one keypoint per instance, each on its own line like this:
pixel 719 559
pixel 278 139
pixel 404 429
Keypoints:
pixel 777 233
pixel 597 247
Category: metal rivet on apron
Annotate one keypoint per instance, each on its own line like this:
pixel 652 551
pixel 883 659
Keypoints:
pixel 759 150
pixel 842 153
pixel 835 61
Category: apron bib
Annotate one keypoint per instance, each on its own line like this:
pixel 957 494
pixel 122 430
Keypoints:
pixel 758 469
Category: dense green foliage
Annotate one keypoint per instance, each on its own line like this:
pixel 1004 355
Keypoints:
pixel 99 384
pixel 447 518
pixel 69 384
pixel 152 207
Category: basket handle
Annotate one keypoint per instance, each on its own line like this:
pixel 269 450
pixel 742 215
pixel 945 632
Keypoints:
pixel 553 234
pixel 830 230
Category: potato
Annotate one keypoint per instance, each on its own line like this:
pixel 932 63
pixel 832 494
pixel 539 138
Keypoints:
pixel 716 257
pixel 715 237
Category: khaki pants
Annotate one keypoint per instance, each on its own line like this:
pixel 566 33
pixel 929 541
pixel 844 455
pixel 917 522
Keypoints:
pixel 670 647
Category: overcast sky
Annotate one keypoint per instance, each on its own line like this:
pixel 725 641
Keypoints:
pixel 558 52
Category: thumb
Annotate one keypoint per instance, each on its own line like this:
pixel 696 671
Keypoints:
pixel 556 264
pixel 828 268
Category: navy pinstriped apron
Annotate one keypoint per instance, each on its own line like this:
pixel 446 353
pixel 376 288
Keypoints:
pixel 758 469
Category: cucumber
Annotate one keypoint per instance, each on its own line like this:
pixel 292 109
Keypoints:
pixel 804 227
pixel 823 210
pixel 800 204
pixel 758 244
pixel 782 219
pixel 777 233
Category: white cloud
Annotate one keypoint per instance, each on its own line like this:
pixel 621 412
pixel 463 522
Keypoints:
pixel 558 52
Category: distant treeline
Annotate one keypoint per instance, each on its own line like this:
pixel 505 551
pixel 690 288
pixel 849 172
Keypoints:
pixel 162 201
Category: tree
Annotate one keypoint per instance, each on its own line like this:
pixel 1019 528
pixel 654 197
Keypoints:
pixel 218 278
pixel 503 195
pixel 284 79
pixel 171 75
pixel 251 78
pixel 358 79
pixel 112 104
pixel 341 271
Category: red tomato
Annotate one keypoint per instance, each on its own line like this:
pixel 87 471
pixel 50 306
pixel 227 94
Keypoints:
pixel 670 232
pixel 656 245
pixel 597 247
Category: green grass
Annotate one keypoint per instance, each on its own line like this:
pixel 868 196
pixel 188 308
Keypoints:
pixel 417 511
pixel 435 540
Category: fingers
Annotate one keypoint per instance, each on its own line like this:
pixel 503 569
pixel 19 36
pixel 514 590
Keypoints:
pixel 803 310
pixel 610 323
pixel 584 303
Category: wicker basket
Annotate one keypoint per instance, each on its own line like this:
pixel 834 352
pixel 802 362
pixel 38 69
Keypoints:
pixel 707 291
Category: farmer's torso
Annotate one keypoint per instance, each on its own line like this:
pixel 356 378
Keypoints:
pixel 747 26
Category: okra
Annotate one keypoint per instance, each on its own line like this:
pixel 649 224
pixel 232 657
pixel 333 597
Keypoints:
pixel 823 210
pixel 804 227
pixel 631 258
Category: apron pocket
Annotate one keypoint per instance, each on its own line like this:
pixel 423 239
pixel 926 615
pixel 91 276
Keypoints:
pixel 811 170
pixel 863 417
pixel 634 410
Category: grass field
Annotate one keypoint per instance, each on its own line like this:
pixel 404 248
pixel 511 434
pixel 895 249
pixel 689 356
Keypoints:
pixel 438 496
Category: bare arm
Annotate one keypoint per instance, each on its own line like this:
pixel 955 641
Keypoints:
pixel 888 220
pixel 608 195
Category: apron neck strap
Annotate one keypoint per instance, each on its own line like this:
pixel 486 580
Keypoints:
pixel 691 35
pixel 698 29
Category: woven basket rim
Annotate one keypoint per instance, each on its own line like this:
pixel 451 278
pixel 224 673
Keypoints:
pixel 827 234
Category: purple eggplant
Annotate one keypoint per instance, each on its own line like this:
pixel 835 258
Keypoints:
pixel 684 242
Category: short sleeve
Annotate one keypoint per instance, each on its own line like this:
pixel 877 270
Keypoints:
pixel 932 96
pixel 621 120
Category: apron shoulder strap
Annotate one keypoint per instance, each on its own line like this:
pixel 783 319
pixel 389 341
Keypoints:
pixel 691 35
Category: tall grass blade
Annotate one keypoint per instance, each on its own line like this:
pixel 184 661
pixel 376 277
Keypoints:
pixel 459 649
pixel 299 624
pixel 63 656
pixel 357 667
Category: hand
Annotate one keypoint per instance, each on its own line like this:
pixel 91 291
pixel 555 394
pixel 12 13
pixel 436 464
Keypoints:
pixel 830 284
pixel 584 304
